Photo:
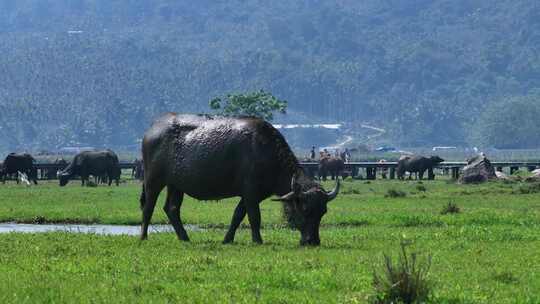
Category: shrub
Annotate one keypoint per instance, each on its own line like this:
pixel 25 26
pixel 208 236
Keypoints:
pixel 529 188
pixel 451 207
pixel 395 193
pixel 403 282
pixel 350 191
pixel 38 219
pixel 506 278
pixel 421 188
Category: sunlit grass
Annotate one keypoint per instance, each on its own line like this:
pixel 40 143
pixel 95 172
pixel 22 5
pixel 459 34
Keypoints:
pixel 487 253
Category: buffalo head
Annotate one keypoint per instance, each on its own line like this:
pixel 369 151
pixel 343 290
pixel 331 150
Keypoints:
pixel 436 159
pixel 305 209
pixel 62 177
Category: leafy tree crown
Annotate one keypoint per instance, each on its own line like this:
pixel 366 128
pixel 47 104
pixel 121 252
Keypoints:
pixel 259 104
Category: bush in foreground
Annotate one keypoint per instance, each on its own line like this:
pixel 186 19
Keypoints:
pixel 450 208
pixel 403 282
pixel 395 193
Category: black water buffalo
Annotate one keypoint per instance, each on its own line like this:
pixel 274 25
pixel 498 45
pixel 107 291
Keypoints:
pixel 417 164
pixel 215 157
pixel 19 162
pixel 138 169
pixel 330 165
pixel 96 163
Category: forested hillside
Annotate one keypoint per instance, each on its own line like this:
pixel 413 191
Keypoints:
pixel 96 72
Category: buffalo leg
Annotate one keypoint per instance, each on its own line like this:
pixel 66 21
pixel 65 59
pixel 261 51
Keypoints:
pixel 421 174
pixel 172 209
pixel 254 216
pixel 238 216
pixel 150 198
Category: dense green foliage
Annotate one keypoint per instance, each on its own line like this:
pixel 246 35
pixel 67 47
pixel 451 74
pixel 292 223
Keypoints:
pixel 486 254
pixel 97 72
pixel 512 122
pixel 260 104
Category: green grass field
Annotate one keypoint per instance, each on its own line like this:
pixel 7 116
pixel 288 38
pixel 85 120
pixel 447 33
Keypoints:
pixel 487 253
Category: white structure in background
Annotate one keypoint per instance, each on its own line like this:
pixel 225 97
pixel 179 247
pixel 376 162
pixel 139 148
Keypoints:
pixel 307 126
pixel 438 148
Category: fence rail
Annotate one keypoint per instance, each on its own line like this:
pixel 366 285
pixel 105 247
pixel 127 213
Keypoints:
pixel 48 171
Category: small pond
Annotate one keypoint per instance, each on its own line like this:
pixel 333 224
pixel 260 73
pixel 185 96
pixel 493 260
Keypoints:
pixel 94 229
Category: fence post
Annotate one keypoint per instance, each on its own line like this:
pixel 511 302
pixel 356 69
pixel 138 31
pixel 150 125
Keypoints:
pixel 455 172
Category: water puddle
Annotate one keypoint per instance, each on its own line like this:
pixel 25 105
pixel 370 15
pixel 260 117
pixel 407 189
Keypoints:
pixel 93 229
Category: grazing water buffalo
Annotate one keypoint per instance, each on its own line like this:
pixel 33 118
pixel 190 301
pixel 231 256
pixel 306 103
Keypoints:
pixel 137 171
pixel 417 164
pixel 330 165
pixel 14 163
pixel 96 163
pixel 215 157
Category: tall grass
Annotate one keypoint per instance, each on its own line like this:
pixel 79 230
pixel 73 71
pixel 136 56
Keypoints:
pixel 405 281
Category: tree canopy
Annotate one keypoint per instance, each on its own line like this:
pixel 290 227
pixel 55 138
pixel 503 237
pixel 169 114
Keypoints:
pixel 259 104
pixel 512 122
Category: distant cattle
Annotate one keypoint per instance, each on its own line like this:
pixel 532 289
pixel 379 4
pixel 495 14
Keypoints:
pixel 95 163
pixel 14 163
pixel 138 169
pixel 417 164
pixel 332 166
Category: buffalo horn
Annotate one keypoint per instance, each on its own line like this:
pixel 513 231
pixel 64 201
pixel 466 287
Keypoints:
pixel 287 197
pixel 332 195
pixel 295 189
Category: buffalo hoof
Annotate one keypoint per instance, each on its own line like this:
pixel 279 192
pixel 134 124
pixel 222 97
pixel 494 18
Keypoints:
pixel 311 243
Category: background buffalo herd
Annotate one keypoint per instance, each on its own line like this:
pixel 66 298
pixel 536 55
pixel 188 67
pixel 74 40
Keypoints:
pixel 104 167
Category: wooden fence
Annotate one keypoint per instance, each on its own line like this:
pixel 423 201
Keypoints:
pixel 367 170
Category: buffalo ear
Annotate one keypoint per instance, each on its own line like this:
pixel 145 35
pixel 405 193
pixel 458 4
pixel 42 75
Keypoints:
pixel 295 187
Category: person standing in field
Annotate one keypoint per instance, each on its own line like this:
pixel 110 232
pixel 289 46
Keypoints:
pixel 312 153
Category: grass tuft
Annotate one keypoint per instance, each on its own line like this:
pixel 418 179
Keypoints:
pixel 350 191
pixel 506 277
pixel 406 281
pixel 450 208
pixel 38 219
pixel 395 193
pixel 529 188
pixel 421 188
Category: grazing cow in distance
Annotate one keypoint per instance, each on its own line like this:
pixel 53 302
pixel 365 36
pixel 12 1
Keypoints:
pixel 215 157
pixel 138 169
pixel 416 164
pixel 96 163
pixel 14 163
pixel 330 165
